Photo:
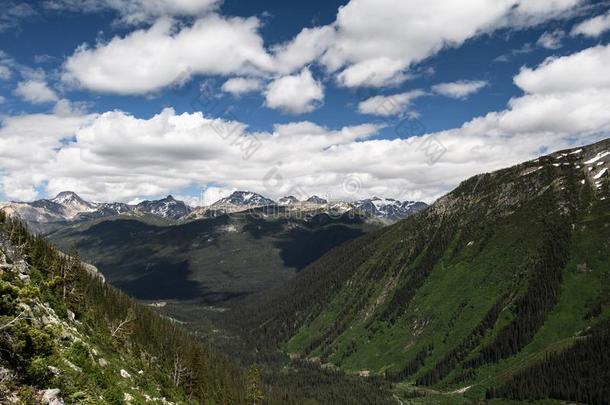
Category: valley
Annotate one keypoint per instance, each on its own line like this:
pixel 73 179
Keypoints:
pixel 208 261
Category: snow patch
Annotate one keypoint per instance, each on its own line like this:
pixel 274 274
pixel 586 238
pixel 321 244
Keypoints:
pixel 598 157
pixel 228 228
pixel 462 390
pixel 601 173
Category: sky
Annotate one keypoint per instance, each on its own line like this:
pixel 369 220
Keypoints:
pixel 122 100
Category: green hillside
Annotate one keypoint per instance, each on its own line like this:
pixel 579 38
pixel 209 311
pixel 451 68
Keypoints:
pixel 67 336
pixel 507 276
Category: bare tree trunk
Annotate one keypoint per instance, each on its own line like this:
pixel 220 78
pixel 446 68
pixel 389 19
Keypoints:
pixel 122 329
pixel 13 321
pixel 179 370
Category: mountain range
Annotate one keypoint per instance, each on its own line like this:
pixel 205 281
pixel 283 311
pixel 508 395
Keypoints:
pixel 242 244
pixel 67 206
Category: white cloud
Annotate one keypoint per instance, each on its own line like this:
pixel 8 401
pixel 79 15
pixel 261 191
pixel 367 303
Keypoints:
pixel 296 94
pixel 149 59
pixel 378 40
pixel 583 70
pixel 138 11
pixel 387 106
pixel 565 98
pixel 593 27
pixel 115 156
pixel 372 43
pixel 67 108
pixel 6 65
pixel 13 12
pixel 5 73
pixel 241 85
pixel 459 89
pixel 305 48
pixel 2 99
pixel 35 91
pixel 27 144
pixel 118 156
pixel 378 72
pixel 191 201
pixel 210 195
pixel 551 40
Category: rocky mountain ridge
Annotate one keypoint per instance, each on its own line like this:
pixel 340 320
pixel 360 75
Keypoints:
pixel 67 206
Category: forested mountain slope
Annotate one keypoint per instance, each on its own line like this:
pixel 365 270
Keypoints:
pixel 67 337
pixel 504 278
pixel 209 260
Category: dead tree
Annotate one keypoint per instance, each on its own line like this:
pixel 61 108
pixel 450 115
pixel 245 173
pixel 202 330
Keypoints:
pixel 123 328
pixel 179 370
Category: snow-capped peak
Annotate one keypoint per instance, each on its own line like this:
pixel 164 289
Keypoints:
pixel 72 204
pixel 167 207
pixel 288 200
pixel 314 199
pixel 66 197
pixel 244 198
pixel 389 207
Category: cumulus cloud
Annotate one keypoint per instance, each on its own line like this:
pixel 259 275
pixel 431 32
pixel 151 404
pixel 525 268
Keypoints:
pixel 209 195
pixel 378 40
pixel 295 94
pixel 2 99
pixel 27 144
pixel 305 48
pixel 593 27
pixel 387 106
pixel 241 85
pixel 583 70
pixel 116 156
pixel 372 43
pixel 163 55
pixel 460 89
pixel 137 11
pixel 35 91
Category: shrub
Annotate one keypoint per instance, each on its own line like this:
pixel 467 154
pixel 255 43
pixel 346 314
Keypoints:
pixel 8 295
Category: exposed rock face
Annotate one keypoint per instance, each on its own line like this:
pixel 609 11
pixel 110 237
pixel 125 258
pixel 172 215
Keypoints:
pixel 68 207
pixel 168 207
pixel 51 397
pixel 314 199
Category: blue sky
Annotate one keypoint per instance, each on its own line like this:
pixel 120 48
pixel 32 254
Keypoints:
pixel 82 93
